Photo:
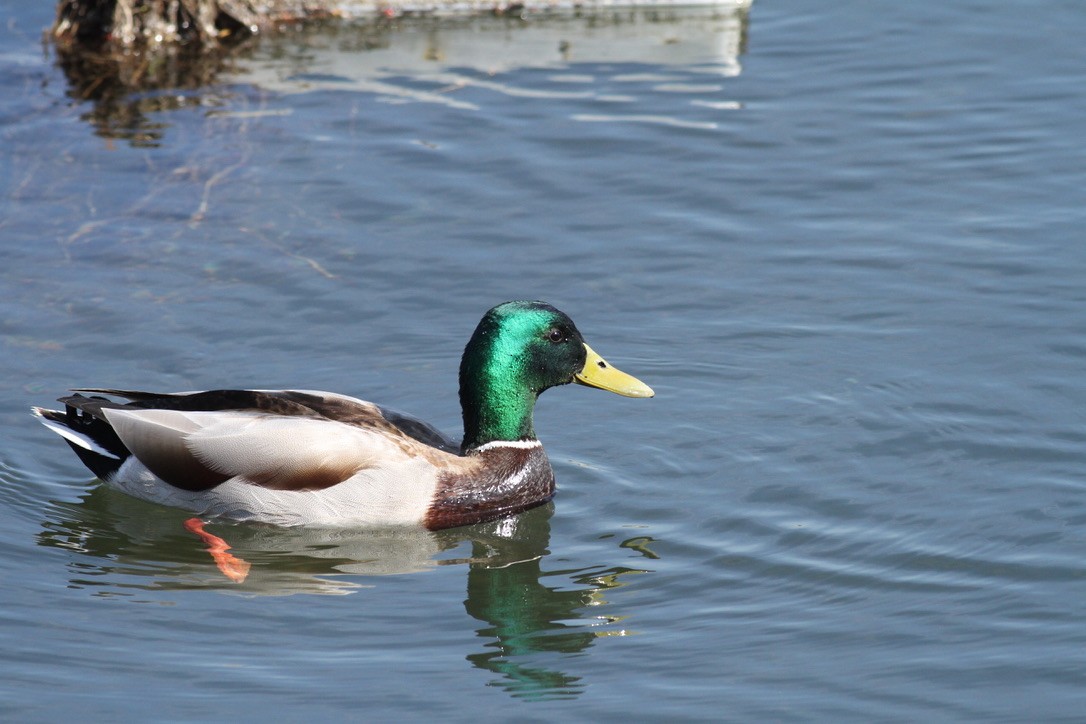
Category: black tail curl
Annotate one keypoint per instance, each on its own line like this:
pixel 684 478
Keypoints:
pixel 83 415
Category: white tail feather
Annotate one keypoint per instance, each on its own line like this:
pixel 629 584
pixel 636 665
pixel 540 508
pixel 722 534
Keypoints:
pixel 72 436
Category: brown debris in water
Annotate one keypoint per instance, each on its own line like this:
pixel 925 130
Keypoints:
pixel 207 23
pixel 111 49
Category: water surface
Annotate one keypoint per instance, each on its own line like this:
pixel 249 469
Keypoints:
pixel 841 243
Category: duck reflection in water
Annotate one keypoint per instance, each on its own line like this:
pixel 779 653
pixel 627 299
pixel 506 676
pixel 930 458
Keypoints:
pixel 532 618
pixel 531 626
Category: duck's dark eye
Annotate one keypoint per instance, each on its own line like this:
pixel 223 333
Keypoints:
pixel 556 335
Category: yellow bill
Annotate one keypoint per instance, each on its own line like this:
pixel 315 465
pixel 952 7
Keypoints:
pixel 598 373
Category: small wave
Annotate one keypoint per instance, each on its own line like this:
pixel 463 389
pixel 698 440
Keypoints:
pixel 654 120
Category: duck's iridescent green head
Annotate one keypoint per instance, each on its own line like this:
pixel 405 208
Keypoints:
pixel 518 350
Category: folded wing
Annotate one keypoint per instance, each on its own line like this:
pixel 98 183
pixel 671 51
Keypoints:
pixel 197 450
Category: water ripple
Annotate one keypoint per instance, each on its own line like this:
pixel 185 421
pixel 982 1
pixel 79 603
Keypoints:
pixel 649 119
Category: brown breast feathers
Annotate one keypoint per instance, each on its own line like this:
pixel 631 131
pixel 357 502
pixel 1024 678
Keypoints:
pixel 506 480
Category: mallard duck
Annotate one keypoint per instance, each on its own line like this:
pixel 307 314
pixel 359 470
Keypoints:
pixel 294 457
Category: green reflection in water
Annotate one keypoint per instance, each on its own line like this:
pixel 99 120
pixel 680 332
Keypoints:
pixel 534 619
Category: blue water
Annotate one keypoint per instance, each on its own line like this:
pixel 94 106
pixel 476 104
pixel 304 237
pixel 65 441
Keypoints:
pixel 841 241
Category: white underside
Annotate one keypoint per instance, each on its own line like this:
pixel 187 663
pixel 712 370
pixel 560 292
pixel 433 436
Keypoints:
pixel 395 495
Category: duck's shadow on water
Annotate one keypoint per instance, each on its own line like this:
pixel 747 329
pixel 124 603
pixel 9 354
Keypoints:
pixel 129 548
